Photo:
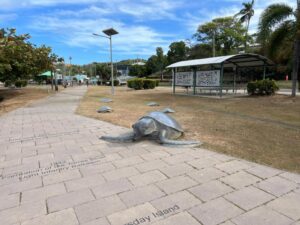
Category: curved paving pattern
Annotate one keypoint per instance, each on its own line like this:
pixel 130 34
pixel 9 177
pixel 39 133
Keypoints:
pixel 54 170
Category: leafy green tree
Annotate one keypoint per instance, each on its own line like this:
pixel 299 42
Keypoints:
pixel 178 51
pixel 200 51
pixel 279 32
pixel 245 15
pixel 227 32
pixel 19 59
pixel 137 70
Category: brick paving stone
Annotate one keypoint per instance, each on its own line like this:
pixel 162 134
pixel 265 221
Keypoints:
pixel 141 195
pixel 207 174
pixel 133 214
pixel 9 163
pixel 183 199
pixel 60 177
pixel 69 200
pixel 99 208
pixel 262 216
pixel 9 201
pixel 240 179
pixel 151 165
pixel 291 176
pixel 97 168
pixel 249 197
pixel 21 186
pixel 179 158
pixel 210 190
pixel 22 213
pixel 179 219
pixel 154 155
pixel 120 173
pixel 176 184
pixel 101 221
pixel 215 212
pixel 227 223
pixel 130 161
pixel 177 170
pixel 263 171
pixel 65 217
pixel 288 205
pixel 233 166
pixel 85 182
pixel 277 186
pixel 40 194
pixel 147 178
pixel 112 188
pixel 204 162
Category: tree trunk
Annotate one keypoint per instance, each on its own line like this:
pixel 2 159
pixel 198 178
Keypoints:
pixel 295 72
pixel 246 38
pixel 51 80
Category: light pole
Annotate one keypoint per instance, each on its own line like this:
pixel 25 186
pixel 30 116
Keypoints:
pixel 71 82
pixel 110 32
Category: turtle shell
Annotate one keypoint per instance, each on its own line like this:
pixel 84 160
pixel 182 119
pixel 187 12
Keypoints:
pixel 164 119
pixel 104 109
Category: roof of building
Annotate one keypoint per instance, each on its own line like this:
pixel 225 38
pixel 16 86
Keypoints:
pixel 241 60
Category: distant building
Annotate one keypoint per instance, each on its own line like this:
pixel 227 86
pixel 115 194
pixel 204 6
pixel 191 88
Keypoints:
pixel 123 70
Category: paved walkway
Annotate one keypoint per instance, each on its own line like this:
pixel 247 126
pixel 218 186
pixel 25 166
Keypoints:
pixel 55 171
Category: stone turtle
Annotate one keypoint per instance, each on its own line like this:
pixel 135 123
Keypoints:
pixel 155 125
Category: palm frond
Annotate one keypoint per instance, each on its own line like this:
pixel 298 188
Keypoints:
pixel 283 34
pixel 272 16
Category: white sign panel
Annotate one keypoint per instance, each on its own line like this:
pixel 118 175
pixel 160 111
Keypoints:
pixel 208 78
pixel 184 78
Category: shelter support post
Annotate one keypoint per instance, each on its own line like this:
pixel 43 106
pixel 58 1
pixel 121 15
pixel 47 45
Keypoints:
pixel 194 80
pixel 221 79
pixel 234 79
pixel 264 76
pixel 173 83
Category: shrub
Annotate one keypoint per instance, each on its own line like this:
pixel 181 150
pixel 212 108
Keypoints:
pixel 262 87
pixel 1 98
pixel 149 84
pixel 98 82
pixel 251 87
pixel 116 82
pixel 21 83
pixel 18 83
pixel 137 83
pixel 156 83
pixel 7 83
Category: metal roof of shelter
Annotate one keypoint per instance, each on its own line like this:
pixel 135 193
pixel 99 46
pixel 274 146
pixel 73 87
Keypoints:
pixel 240 60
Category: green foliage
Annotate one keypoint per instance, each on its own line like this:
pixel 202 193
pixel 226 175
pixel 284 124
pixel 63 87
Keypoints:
pixel 227 31
pixel 142 83
pixel 156 63
pixel 178 51
pixel 116 83
pixel 262 87
pixel 20 59
pixel 137 83
pixel 21 83
pixel 137 71
pixel 1 98
pixel 149 84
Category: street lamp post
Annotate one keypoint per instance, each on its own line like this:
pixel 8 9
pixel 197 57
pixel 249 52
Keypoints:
pixel 109 32
pixel 71 82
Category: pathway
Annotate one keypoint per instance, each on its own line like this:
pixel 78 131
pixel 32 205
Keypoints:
pixel 55 171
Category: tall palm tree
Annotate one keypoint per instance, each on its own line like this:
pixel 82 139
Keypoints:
pixel 280 24
pixel 245 16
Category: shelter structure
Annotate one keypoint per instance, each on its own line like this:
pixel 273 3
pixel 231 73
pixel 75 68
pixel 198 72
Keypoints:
pixel 216 73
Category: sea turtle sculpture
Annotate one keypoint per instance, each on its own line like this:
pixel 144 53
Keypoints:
pixel 152 104
pixel 155 125
pixel 106 100
pixel 167 110
pixel 104 109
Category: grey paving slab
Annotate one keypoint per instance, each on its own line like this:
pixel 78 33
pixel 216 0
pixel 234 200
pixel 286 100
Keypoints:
pixel 55 170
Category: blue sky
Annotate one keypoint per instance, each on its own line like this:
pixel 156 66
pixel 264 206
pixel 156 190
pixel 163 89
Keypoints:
pixel 67 25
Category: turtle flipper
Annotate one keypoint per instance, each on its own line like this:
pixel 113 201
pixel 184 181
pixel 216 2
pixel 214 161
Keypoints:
pixel 129 137
pixel 164 140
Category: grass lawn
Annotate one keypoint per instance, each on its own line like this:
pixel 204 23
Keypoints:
pixel 15 98
pixel 261 129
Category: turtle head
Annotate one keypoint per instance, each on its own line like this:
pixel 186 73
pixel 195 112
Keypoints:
pixel 143 127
